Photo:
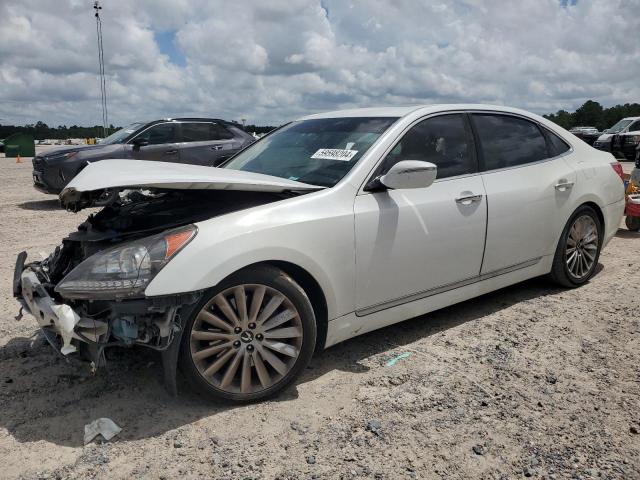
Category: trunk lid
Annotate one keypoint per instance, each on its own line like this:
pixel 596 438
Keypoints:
pixel 117 174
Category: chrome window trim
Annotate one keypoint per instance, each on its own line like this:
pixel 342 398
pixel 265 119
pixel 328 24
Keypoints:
pixel 444 288
pixel 536 122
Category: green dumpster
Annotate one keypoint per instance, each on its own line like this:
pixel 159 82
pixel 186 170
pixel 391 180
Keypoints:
pixel 19 144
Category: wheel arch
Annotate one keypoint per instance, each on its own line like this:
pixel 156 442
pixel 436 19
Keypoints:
pixel 313 290
pixel 596 208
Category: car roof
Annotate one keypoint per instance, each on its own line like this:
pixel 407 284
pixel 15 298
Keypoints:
pixel 404 111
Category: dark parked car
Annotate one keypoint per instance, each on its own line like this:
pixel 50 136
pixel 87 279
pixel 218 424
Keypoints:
pixel 605 141
pixel 198 141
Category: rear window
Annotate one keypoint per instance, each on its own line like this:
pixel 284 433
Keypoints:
pixel 557 146
pixel 196 132
pixel 204 132
pixel 507 141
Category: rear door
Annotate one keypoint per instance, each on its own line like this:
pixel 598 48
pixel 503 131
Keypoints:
pixel 206 143
pixel 529 187
pixel 162 143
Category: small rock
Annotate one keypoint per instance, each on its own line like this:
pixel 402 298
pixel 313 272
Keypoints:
pixel 633 429
pixel 9 380
pixel 311 460
pixel 374 426
pixel 479 449
pixel 177 444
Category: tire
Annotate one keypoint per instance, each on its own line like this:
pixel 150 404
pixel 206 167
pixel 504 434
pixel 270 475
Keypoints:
pixel 257 350
pixel 566 271
pixel 632 223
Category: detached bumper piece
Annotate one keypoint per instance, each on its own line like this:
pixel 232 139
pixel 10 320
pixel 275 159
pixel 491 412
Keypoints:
pixel 60 319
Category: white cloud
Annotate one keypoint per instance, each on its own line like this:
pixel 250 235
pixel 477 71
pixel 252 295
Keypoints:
pixel 274 60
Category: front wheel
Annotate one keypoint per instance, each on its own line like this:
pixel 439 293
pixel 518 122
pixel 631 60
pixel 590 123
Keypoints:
pixel 578 250
pixel 249 337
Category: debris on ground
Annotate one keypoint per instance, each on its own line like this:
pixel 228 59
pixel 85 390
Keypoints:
pixel 396 359
pixel 102 426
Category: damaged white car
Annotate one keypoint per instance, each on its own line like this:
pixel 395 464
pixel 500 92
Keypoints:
pixel 332 226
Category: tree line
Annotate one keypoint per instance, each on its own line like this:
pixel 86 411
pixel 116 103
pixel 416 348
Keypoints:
pixel 592 114
pixel 41 131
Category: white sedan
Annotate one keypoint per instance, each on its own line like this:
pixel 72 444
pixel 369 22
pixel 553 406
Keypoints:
pixel 329 227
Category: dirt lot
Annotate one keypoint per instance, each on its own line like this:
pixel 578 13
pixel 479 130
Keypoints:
pixel 531 381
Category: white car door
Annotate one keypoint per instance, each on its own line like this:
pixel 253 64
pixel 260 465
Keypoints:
pixel 411 243
pixel 528 184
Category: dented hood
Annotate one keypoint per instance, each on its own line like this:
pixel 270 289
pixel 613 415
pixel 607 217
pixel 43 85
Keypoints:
pixel 125 174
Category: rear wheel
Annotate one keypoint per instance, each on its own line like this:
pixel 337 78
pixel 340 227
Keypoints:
pixel 250 337
pixel 632 223
pixel 578 250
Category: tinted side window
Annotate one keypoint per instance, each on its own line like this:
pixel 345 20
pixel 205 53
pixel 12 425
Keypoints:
pixel 162 133
pixel 635 126
pixel 218 132
pixel 196 132
pixel 442 140
pixel 507 141
pixel 557 146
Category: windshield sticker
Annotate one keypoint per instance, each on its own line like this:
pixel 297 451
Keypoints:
pixel 334 154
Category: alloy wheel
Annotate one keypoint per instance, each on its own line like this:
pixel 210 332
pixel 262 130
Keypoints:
pixel 582 246
pixel 246 338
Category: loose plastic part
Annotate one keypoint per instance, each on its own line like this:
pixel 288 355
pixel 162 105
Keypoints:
pixel 68 320
pixel 395 360
pixel 102 426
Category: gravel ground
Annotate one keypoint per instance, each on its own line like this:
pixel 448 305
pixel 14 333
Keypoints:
pixel 531 381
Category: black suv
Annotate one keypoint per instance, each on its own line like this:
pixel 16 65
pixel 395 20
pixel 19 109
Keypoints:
pixel 198 141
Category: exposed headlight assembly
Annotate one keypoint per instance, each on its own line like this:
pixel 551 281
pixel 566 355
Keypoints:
pixel 126 270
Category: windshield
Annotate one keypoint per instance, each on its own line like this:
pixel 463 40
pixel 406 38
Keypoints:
pixel 319 151
pixel 122 134
pixel 621 125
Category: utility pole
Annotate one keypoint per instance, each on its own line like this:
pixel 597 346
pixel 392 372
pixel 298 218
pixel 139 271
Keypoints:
pixel 103 84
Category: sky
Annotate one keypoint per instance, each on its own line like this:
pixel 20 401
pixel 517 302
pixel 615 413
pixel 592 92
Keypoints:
pixel 271 61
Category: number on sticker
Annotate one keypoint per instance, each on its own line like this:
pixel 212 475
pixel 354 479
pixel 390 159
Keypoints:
pixel 334 154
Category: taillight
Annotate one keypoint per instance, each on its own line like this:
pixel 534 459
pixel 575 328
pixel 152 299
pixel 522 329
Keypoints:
pixel 618 168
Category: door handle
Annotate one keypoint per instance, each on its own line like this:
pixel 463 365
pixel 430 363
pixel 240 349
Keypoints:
pixel 563 186
pixel 171 152
pixel 469 199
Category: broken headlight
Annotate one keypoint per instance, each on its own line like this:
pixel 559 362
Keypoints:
pixel 126 270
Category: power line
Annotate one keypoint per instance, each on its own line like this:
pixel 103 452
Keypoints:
pixel 103 83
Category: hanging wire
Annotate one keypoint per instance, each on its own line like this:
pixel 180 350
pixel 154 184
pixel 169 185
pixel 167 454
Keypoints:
pixel 103 83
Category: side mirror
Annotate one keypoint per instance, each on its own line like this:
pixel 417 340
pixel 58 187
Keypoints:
pixel 139 142
pixel 410 174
